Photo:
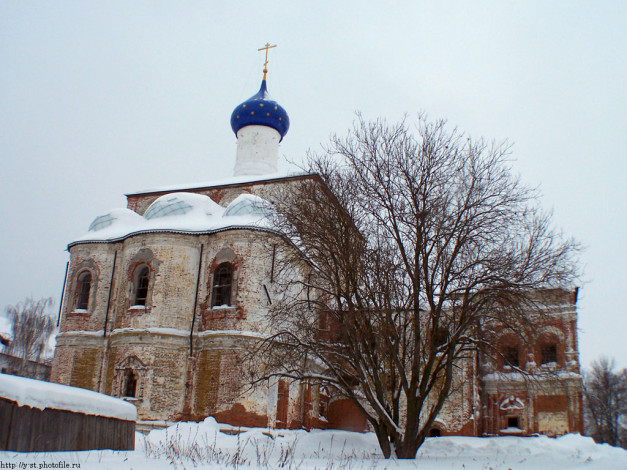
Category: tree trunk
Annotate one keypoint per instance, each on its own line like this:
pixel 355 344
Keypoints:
pixel 408 448
pixel 384 440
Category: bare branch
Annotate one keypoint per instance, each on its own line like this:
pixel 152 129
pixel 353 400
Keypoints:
pixel 418 243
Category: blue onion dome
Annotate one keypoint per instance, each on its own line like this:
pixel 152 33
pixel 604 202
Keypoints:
pixel 262 111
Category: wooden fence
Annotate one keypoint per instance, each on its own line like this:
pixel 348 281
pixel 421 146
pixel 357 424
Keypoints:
pixel 26 429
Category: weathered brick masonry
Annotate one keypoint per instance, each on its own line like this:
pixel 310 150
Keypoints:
pixel 182 353
pixel 154 334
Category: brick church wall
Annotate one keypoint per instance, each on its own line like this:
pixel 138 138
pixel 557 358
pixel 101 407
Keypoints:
pixel 188 362
pixel 171 384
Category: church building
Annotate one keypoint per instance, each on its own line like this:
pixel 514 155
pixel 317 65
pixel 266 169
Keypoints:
pixel 164 297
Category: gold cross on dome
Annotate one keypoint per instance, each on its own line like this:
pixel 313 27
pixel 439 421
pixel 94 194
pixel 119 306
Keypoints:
pixel 265 64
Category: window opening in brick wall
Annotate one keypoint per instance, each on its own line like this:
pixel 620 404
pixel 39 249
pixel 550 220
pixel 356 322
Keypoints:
pixel 142 279
pixel 222 284
pixel 130 383
pixel 512 422
pixel 83 288
pixel 128 377
pixel 323 408
pixel 548 353
pixel 510 356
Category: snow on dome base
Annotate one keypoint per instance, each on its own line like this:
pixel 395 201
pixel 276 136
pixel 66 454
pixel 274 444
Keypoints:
pixel 170 206
pixel 114 216
pixel 248 204
pixel 181 212
pixel 42 395
pixel 100 222
pixel 180 204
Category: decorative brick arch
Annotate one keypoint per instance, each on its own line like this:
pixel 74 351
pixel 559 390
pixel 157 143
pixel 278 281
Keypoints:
pixel 344 414
pixel 438 428
pixel 130 368
pixel 224 257
pixel 144 258
pixel 549 346
pixel 511 350
pixel 86 266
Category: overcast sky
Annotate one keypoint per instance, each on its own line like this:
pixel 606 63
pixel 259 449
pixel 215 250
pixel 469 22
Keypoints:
pixel 99 99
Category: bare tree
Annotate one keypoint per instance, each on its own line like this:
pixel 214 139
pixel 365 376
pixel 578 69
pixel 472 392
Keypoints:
pixel 415 241
pixel 31 328
pixel 605 403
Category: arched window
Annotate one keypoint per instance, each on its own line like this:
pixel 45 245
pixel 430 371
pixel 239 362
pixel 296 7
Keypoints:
pixel 128 378
pixel 510 352
pixel 324 399
pixel 511 355
pixel 549 348
pixel 548 353
pixel 142 279
pixel 222 285
pixel 83 288
pixel 130 383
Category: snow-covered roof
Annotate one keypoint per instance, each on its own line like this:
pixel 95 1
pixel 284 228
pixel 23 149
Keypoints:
pixel 42 395
pixel 248 205
pixel 180 212
pixel 233 180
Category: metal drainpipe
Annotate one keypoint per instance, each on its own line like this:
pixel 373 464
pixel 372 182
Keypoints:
pixel 104 332
pixel 191 330
pixel 105 346
pixel 67 266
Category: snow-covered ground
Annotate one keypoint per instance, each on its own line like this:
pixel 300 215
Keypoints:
pixel 203 446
